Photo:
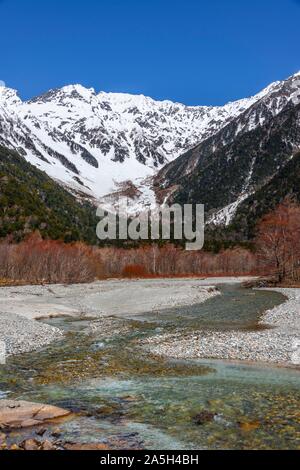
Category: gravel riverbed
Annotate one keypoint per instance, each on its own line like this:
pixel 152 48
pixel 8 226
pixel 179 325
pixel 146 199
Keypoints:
pixel 279 344
pixel 20 333
pixel 21 306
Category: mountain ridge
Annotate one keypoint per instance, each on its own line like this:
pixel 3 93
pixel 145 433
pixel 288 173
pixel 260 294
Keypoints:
pixel 79 137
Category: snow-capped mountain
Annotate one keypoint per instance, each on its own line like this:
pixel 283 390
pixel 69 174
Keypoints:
pixel 94 144
pixel 112 144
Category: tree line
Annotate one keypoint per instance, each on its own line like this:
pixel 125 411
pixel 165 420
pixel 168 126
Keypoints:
pixel 276 252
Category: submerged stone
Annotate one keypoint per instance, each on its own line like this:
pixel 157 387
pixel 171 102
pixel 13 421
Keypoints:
pixel 204 417
pixel 249 426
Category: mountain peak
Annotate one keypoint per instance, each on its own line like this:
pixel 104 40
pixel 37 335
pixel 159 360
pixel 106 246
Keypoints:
pixel 80 90
pixel 9 96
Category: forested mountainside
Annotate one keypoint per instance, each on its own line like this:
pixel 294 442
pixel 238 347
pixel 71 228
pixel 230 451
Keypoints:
pixel 228 169
pixel 30 200
pixel 285 184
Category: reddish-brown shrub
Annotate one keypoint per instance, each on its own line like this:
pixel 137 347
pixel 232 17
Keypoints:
pixel 36 260
pixel 134 271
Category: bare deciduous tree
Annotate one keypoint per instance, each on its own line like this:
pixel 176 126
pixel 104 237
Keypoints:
pixel 278 241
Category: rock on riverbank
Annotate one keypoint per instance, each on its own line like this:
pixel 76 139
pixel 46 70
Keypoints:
pixel 22 414
pixel 34 427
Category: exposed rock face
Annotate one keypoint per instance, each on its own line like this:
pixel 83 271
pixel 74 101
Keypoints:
pixel 21 414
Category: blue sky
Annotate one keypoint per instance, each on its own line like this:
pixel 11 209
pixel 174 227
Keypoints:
pixel 192 51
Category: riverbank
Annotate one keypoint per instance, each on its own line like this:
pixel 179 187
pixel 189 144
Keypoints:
pixel 21 306
pixel 278 343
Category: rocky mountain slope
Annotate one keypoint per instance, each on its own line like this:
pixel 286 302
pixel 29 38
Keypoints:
pixel 240 159
pixel 93 142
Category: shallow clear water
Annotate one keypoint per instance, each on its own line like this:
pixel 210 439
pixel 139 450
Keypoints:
pixel 128 398
pixel 237 308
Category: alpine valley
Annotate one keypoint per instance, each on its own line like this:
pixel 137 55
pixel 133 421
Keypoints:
pixel 103 145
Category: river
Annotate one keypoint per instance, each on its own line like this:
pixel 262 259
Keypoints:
pixel 124 396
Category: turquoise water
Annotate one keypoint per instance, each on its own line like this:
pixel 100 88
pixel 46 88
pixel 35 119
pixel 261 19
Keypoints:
pixel 127 398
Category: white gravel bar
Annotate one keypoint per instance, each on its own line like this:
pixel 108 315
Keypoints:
pixel 112 297
pixel 280 344
pixel 21 335
pixel 21 306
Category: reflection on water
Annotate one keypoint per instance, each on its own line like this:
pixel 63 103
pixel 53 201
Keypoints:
pixel 122 393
